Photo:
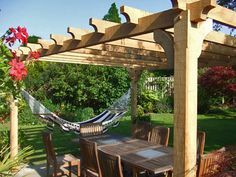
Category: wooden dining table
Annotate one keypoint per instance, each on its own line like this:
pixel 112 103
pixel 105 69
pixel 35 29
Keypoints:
pixel 135 153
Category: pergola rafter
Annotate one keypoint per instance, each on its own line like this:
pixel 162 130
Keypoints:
pixel 186 41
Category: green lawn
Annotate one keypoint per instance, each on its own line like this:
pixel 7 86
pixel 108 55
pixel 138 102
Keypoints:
pixel 220 128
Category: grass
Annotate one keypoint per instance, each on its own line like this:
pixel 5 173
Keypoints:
pixel 219 127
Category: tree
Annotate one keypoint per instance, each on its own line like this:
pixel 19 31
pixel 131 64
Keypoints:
pixel 79 86
pixel 112 14
pixel 230 4
pixel 219 82
pixel 33 39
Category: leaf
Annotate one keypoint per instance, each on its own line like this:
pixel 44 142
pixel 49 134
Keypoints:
pixel 6 51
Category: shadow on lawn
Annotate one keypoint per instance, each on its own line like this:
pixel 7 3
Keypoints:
pixel 219 132
pixel 61 141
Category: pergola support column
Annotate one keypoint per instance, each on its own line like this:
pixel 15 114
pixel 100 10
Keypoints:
pixel 13 128
pixel 135 76
pixel 188 44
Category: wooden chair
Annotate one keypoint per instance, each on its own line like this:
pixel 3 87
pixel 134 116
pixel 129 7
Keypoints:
pixel 89 159
pixel 159 135
pixel 110 165
pixel 209 163
pixel 91 129
pixel 58 162
pixel 141 130
pixel 201 136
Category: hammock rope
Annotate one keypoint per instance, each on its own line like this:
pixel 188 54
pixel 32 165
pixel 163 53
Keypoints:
pixel 109 117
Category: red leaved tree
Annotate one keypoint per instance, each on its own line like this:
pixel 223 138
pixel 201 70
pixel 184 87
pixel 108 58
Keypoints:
pixel 219 81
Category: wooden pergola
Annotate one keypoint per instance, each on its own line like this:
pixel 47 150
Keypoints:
pixel 180 38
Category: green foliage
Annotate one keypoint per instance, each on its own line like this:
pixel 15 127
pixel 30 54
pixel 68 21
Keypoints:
pixel 140 111
pixel 80 86
pixel 113 14
pixel 157 101
pixel 143 118
pixel 203 101
pixel 5 138
pixel 33 39
pixel 216 87
pixel 7 163
pixel 164 105
pixel 165 72
pixel 26 117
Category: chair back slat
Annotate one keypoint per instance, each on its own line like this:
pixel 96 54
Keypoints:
pixel 141 130
pixel 159 135
pixel 201 136
pixel 50 153
pixel 91 129
pixel 89 156
pixel 110 165
pixel 209 163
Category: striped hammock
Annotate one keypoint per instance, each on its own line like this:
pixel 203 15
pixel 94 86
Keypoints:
pixel 109 117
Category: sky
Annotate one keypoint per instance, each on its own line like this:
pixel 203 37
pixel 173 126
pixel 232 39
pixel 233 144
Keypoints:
pixel 43 17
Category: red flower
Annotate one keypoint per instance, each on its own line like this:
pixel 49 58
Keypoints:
pixel 18 70
pixel 12 30
pixel 34 55
pixel 20 33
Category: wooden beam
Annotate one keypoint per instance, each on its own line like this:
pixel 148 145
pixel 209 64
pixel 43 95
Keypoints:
pixel 101 25
pixel 210 59
pixel 181 4
pixel 60 39
pixel 45 43
pixel 105 62
pixel 221 38
pixel 129 50
pixel 145 25
pixel 24 50
pixel 218 49
pixel 199 9
pixel 223 15
pixel 77 33
pixel 188 42
pixel 107 53
pixel 132 15
pixel 167 42
pixel 109 58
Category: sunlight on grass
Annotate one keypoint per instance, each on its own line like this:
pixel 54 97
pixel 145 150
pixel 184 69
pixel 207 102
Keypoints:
pixel 219 128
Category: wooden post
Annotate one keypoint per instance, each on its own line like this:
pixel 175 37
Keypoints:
pixel 14 128
pixel 188 40
pixel 134 75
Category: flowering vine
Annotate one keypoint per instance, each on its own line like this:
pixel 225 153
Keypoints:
pixel 13 70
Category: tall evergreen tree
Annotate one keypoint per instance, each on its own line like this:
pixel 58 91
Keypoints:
pixel 113 14
pixel 33 39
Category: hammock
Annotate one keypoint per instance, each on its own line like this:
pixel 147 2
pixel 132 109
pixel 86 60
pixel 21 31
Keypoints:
pixel 109 117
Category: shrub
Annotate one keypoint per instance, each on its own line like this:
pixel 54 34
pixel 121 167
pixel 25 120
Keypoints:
pixel 78 85
pixel 219 83
pixel 140 111
pixel 7 163
pixel 5 138
pixel 145 117
pixel 164 105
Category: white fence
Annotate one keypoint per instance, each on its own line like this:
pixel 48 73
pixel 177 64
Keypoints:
pixel 163 84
